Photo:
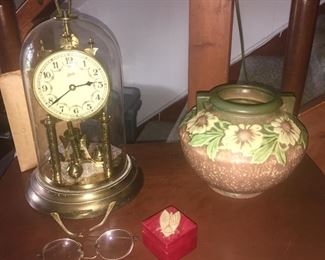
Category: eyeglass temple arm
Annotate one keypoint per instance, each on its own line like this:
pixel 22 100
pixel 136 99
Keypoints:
pixel 57 218
pixel 108 211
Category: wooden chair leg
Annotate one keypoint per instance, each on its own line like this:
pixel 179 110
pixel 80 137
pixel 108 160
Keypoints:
pixel 312 117
pixel 301 30
pixel 9 35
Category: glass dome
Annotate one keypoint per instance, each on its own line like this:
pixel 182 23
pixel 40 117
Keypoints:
pixel 72 76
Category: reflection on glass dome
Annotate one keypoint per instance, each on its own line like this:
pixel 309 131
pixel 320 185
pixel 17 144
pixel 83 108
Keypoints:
pixel 73 83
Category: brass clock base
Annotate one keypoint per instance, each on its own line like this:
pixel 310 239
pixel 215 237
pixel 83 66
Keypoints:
pixel 87 203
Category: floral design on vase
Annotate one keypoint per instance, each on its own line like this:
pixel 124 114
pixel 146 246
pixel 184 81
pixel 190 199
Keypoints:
pixel 243 139
pixel 254 141
pixel 202 122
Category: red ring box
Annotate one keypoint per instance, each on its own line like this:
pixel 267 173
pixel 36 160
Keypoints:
pixel 171 247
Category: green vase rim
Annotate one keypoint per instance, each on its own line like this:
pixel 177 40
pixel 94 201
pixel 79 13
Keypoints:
pixel 271 105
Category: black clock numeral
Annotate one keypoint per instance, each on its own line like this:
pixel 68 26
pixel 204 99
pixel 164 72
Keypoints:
pixel 100 84
pixel 76 110
pixel 84 62
pixel 47 75
pixel 89 106
pixel 45 88
pixel 95 72
pixel 61 108
pixel 97 97
pixel 55 65
pixel 50 100
pixel 68 60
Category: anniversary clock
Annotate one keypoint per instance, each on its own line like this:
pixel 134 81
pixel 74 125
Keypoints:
pixel 72 76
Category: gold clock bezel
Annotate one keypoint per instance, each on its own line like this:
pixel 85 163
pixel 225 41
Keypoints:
pixel 41 66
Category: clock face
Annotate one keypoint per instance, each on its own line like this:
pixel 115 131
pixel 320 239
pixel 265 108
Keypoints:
pixel 71 84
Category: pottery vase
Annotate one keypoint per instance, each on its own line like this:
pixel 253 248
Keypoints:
pixel 242 139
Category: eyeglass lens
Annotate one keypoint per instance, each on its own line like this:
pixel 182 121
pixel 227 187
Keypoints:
pixel 112 245
pixel 64 248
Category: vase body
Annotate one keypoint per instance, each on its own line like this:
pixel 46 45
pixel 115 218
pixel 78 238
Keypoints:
pixel 243 140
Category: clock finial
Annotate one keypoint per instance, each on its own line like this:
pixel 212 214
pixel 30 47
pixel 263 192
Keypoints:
pixel 91 49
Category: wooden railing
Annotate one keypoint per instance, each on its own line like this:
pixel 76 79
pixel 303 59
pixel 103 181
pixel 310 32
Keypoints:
pixel 210 43
pixel 31 12
pixel 15 24
pixel 302 22
pixel 9 35
pixel 210 32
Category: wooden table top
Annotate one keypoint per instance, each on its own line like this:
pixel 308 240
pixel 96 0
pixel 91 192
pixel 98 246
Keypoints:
pixel 286 222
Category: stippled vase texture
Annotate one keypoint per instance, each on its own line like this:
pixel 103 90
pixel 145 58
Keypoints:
pixel 243 140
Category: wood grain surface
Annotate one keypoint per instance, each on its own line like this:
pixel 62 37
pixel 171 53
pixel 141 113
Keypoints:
pixel 287 222
pixel 210 25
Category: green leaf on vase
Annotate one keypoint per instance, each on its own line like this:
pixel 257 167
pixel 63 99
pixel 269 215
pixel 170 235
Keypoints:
pixel 223 125
pixel 262 153
pixel 213 147
pixel 268 128
pixel 303 139
pixel 202 139
pixel 280 154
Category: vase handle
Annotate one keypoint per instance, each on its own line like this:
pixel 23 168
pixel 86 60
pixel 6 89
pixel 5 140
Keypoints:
pixel 201 100
pixel 288 100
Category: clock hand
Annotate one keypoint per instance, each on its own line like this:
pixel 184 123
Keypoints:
pixel 58 99
pixel 88 83
pixel 72 87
